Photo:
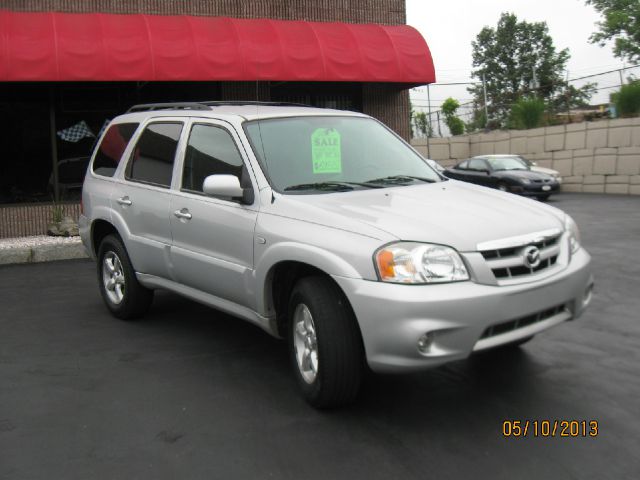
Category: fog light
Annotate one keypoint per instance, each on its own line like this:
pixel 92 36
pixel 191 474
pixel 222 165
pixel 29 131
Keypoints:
pixel 425 342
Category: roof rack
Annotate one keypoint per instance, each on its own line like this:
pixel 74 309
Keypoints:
pixel 147 107
pixel 222 103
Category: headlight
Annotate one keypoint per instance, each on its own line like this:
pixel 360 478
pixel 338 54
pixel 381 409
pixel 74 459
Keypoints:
pixel 419 263
pixel 574 234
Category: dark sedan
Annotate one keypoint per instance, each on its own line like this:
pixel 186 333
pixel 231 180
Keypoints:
pixel 505 173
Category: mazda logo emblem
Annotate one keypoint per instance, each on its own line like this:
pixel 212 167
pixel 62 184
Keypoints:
pixel 531 256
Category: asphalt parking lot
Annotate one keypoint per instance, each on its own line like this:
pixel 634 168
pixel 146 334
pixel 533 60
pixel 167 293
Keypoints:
pixel 191 393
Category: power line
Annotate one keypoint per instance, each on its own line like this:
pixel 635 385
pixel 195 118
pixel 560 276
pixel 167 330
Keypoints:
pixel 604 73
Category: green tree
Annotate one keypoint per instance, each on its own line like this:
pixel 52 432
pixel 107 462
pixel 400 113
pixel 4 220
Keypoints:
pixel 627 99
pixel 527 112
pixel 516 58
pixel 620 23
pixel 421 123
pixel 449 108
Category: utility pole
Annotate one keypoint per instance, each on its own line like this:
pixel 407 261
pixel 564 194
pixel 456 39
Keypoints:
pixel 534 80
pixel 429 123
pixel 486 109
pixel 568 99
pixel 621 72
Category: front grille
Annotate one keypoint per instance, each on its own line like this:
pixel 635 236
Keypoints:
pixel 509 262
pixel 511 325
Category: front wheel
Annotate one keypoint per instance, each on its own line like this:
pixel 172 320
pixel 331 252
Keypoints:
pixel 123 295
pixel 324 343
pixel 544 197
pixel 503 187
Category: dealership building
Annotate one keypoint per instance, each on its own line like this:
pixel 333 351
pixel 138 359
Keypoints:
pixel 68 66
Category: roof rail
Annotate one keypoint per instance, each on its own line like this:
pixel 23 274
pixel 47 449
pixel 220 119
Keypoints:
pixel 222 103
pixel 146 107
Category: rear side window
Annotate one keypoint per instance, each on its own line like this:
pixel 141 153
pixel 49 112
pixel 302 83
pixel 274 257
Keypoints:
pixel 112 147
pixel 153 155
pixel 210 151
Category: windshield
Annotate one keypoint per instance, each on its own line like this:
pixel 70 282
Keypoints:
pixel 507 163
pixel 327 153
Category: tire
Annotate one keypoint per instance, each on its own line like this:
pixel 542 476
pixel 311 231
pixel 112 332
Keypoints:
pixel 321 320
pixel 121 292
pixel 503 187
pixel 544 197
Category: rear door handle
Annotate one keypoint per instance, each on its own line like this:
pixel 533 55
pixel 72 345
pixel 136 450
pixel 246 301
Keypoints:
pixel 124 201
pixel 183 214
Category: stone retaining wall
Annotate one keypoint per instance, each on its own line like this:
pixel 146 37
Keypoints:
pixel 598 157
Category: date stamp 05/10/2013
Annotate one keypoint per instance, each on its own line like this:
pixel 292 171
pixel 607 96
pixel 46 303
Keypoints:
pixel 550 428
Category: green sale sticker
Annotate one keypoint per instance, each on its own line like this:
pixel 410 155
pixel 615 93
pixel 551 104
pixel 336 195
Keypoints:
pixel 325 151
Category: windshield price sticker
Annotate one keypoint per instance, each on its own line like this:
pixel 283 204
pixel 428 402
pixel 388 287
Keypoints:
pixel 326 153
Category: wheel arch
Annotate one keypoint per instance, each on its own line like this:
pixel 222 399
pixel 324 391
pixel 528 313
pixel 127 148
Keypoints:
pixel 279 283
pixel 101 228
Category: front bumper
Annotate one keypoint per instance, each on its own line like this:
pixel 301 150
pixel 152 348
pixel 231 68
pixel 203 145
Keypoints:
pixel 534 189
pixel 457 316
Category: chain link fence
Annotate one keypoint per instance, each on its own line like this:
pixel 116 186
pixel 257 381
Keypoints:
pixel 427 121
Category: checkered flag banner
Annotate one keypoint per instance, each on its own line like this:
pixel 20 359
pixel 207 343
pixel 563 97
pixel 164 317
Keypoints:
pixel 76 132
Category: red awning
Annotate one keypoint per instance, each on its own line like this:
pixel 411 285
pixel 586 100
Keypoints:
pixel 102 47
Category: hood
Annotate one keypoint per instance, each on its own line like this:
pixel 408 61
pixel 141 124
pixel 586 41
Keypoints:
pixel 548 171
pixel 451 213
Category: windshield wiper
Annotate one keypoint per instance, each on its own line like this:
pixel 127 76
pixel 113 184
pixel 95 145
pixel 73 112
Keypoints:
pixel 330 186
pixel 399 179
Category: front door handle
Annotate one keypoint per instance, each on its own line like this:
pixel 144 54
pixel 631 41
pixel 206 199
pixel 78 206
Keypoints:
pixel 125 201
pixel 183 214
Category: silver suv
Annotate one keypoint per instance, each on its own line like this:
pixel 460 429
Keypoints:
pixel 325 228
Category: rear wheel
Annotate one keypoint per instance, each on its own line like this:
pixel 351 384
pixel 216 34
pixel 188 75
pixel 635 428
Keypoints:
pixel 123 295
pixel 324 343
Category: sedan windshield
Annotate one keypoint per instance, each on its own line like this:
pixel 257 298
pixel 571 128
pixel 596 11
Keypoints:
pixel 507 163
pixel 334 154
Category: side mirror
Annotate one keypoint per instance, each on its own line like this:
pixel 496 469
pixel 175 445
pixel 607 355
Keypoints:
pixel 226 186
pixel 535 164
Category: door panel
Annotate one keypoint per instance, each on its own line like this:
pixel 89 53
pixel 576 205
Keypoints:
pixel 145 212
pixel 143 200
pixel 213 250
pixel 212 247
